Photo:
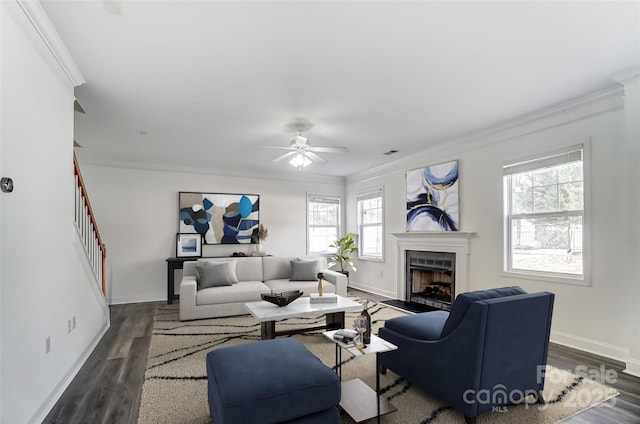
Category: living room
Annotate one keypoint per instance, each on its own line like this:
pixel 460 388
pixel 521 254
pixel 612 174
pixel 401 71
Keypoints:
pixel 135 203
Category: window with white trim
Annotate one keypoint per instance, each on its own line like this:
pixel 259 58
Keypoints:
pixel 544 211
pixel 370 224
pixel 323 222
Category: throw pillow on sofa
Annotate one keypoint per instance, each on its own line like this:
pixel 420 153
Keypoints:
pixel 232 266
pixel 304 270
pixel 214 275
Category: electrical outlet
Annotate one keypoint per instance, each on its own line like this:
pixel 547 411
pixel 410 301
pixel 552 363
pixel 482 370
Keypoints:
pixel 47 345
pixel 73 323
pixel 381 273
pixel 69 327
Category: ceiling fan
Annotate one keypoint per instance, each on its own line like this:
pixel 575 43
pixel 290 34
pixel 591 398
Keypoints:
pixel 301 153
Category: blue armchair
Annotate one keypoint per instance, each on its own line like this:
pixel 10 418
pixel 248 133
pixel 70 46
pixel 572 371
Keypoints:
pixel 487 352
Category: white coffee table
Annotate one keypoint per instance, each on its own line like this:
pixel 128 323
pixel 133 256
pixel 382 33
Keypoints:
pixel 358 400
pixel 267 314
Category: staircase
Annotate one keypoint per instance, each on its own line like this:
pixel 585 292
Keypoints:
pixel 88 230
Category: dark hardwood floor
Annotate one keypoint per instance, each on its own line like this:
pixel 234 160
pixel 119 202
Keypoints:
pixel 107 389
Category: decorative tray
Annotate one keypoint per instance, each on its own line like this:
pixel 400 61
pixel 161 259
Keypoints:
pixel 282 299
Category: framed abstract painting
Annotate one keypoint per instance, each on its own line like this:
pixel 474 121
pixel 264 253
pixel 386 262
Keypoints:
pixel 432 198
pixel 188 245
pixel 220 218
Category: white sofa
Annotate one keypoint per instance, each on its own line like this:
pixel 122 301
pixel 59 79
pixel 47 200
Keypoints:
pixel 255 275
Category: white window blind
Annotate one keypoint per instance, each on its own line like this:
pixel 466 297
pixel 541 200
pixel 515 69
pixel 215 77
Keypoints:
pixel 370 206
pixel 544 212
pixel 323 222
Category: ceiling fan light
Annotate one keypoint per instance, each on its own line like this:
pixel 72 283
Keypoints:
pixel 300 161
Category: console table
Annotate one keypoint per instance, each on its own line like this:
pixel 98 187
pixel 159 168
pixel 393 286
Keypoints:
pixel 172 265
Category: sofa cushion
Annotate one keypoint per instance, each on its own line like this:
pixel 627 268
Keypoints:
pixel 464 300
pixel 244 291
pixel 276 268
pixel 246 269
pixel 214 275
pixel 229 269
pixel 422 326
pixel 304 270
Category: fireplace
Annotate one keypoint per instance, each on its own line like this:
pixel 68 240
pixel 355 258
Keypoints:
pixel 430 278
pixel 450 246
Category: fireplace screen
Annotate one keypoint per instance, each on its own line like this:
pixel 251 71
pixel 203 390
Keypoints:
pixel 431 278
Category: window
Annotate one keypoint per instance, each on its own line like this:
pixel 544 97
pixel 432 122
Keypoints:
pixel 323 222
pixel 544 206
pixel 370 224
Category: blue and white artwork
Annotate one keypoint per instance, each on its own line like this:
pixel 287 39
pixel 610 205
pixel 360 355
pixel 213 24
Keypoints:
pixel 190 246
pixel 432 198
pixel 220 218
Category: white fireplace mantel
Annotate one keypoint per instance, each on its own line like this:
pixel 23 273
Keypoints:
pixel 443 236
pixel 457 242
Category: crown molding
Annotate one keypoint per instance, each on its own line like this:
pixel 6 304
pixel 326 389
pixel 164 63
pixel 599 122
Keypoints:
pixel 114 161
pixel 595 103
pixel 628 75
pixel 47 32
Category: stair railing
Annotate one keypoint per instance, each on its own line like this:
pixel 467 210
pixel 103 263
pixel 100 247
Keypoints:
pixel 88 229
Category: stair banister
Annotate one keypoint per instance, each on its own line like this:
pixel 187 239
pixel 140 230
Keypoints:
pixel 86 223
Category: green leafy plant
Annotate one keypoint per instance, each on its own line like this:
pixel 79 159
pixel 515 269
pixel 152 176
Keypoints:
pixel 345 247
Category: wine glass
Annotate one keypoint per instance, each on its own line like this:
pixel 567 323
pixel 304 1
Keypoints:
pixel 360 324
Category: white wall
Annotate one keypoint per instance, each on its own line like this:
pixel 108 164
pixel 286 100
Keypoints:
pixel 599 317
pixel 137 213
pixel 631 80
pixel 44 278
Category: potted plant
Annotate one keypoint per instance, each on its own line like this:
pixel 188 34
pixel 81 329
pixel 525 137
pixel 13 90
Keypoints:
pixel 258 236
pixel 345 247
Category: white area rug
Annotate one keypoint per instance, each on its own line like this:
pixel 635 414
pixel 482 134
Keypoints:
pixel 175 388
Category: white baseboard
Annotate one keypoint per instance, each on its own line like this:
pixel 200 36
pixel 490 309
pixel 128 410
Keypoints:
pixel 370 289
pixel 633 367
pixel 141 299
pixel 51 400
pixel 618 353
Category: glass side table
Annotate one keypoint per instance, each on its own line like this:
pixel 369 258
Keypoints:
pixel 358 400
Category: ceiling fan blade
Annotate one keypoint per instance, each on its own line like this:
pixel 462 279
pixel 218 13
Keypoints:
pixel 329 149
pixel 286 155
pixel 278 147
pixel 314 157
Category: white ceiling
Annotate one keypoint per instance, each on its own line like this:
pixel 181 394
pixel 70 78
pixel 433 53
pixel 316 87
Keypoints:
pixel 207 84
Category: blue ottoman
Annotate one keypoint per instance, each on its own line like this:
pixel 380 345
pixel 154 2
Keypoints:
pixel 271 381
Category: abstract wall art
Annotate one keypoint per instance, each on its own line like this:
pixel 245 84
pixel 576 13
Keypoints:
pixel 220 218
pixel 432 198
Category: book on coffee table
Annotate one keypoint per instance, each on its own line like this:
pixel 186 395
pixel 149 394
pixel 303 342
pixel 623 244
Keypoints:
pixel 346 336
pixel 325 298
